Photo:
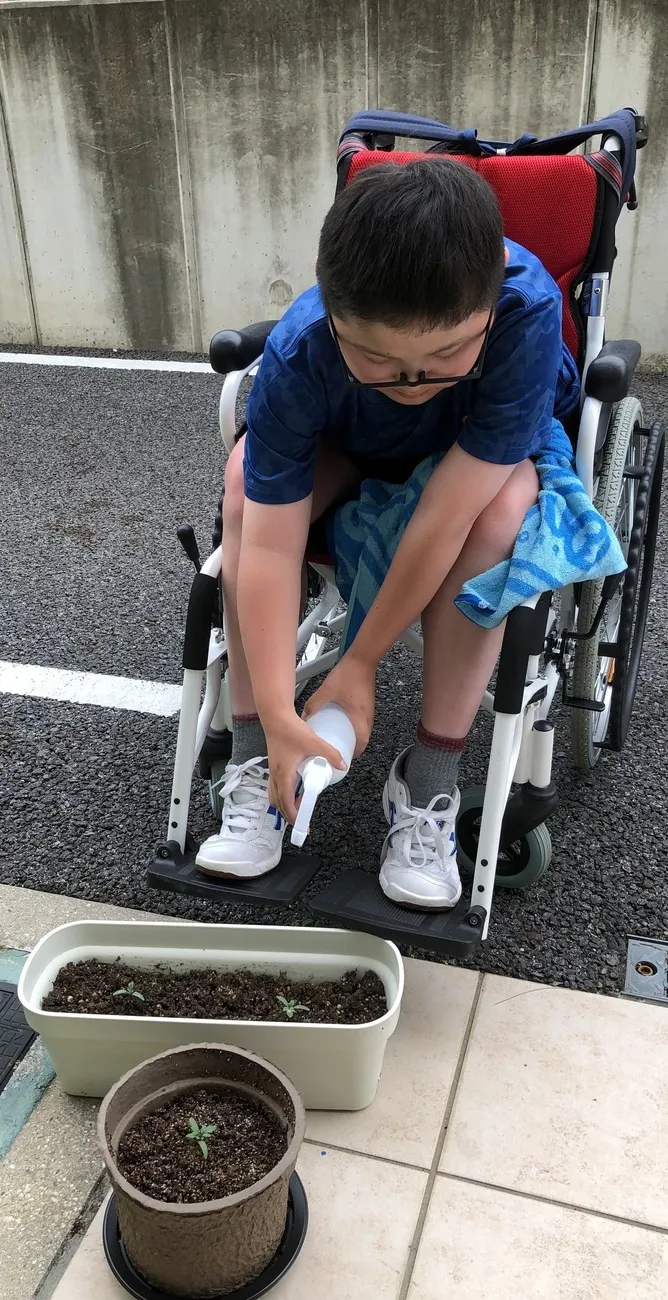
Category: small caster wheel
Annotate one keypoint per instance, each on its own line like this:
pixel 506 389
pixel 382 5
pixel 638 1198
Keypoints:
pixel 520 865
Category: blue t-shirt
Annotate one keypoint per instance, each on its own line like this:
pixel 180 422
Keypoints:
pixel 301 393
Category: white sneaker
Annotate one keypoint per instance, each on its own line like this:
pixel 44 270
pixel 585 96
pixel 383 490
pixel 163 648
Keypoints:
pixel 250 840
pixel 419 857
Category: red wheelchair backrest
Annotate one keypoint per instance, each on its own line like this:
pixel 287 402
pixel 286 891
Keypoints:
pixel 549 203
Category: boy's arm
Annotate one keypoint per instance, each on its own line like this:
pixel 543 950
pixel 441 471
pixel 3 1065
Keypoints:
pixel 273 542
pixel 459 489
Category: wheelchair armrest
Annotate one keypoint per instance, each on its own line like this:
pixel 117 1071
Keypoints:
pixel 236 349
pixel 610 374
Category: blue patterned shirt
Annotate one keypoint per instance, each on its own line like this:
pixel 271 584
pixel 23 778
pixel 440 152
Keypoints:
pixel 300 393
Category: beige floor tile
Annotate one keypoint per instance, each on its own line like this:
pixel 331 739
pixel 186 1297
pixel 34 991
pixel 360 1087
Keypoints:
pixel 482 1244
pixel 565 1095
pixel 404 1121
pixel 362 1216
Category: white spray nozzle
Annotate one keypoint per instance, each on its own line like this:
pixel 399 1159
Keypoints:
pixel 316 776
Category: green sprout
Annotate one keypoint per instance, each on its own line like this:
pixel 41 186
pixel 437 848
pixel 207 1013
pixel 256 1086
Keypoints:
pixel 290 1005
pixel 198 1133
pixel 129 992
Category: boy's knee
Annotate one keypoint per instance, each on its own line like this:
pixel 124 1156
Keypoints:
pixel 504 515
pixel 233 500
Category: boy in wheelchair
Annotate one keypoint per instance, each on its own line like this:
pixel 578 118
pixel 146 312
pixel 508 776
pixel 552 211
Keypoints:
pixel 426 333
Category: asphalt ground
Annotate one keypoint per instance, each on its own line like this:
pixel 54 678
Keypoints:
pixel 99 468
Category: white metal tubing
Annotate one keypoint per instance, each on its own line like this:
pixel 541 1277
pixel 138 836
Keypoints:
pixel 587 432
pixel 213 563
pixel 487 702
pixel 325 570
pixel 413 640
pixel 227 409
pixel 542 749
pixel 222 718
pixel 209 706
pixel 315 667
pixel 185 756
pixel 524 762
pixel 336 622
pixel 505 748
pixel 328 601
pixel 550 679
pixel 217 645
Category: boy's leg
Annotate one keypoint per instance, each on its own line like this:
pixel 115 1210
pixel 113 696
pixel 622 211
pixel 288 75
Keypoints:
pixel 459 656
pixel 250 839
pixel 459 659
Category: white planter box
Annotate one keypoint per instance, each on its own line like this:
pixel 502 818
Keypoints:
pixel 334 1067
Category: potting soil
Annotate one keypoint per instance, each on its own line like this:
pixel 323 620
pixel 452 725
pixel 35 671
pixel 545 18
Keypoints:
pixel 158 1156
pixel 116 989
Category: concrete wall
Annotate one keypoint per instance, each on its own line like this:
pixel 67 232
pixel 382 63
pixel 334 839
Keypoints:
pixel 165 164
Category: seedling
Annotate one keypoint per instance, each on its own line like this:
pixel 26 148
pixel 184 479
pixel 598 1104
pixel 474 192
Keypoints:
pixel 290 1005
pixel 198 1133
pixel 129 992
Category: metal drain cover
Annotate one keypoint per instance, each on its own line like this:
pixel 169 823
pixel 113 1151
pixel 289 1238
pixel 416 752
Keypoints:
pixel 647 969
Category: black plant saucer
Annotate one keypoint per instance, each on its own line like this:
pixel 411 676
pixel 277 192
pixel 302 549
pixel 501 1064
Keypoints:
pixel 293 1240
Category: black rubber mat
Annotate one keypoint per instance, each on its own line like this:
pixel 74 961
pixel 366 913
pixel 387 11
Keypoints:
pixel 15 1032
pixel 279 887
pixel 355 901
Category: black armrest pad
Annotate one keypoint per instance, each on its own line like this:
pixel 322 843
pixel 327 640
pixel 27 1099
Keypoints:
pixel 236 349
pixel 610 374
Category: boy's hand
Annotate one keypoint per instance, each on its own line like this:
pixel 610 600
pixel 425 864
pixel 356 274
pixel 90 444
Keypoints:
pixel 352 685
pixel 289 741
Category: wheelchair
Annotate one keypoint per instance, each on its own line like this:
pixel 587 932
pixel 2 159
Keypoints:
pixel 585 640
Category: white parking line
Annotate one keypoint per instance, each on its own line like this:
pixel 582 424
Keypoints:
pixel 160 698
pixel 104 363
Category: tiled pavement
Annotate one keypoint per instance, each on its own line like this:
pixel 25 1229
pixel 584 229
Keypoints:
pixel 516 1145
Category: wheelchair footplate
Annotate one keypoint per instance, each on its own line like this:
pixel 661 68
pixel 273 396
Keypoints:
pixel 177 873
pixel 355 901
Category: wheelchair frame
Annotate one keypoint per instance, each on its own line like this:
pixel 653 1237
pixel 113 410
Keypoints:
pixel 536 654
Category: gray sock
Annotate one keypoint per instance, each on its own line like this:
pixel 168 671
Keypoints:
pixel 432 766
pixel 248 739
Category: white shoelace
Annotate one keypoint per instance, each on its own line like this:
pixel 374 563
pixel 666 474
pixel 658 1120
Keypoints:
pixel 425 839
pixel 247 784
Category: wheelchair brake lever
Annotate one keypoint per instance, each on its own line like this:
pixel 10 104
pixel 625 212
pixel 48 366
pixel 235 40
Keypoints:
pixel 610 585
pixel 186 536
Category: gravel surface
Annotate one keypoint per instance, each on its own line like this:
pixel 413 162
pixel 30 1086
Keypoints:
pixel 101 467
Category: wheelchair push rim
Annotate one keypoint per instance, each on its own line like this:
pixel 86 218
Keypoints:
pixel 637 587
pixel 623 527
pixel 597 677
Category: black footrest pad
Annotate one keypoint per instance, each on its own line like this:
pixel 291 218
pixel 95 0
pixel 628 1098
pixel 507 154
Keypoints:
pixel 355 901
pixel 278 888
pixel 15 1032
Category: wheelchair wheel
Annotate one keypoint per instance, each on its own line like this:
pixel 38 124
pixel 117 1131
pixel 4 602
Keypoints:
pixel 594 674
pixel 520 865
pixel 637 588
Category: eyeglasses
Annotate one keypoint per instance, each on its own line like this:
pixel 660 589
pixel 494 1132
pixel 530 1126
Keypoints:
pixel 403 381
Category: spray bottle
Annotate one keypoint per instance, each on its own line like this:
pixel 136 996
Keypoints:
pixel 333 725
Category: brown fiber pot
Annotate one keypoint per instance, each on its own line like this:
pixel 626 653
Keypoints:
pixel 208 1249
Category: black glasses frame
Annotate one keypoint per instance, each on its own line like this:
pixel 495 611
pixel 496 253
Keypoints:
pixel 403 381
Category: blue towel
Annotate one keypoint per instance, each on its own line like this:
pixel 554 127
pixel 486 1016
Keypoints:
pixel 563 539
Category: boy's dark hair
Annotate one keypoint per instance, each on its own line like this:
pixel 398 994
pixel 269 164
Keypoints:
pixel 419 243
